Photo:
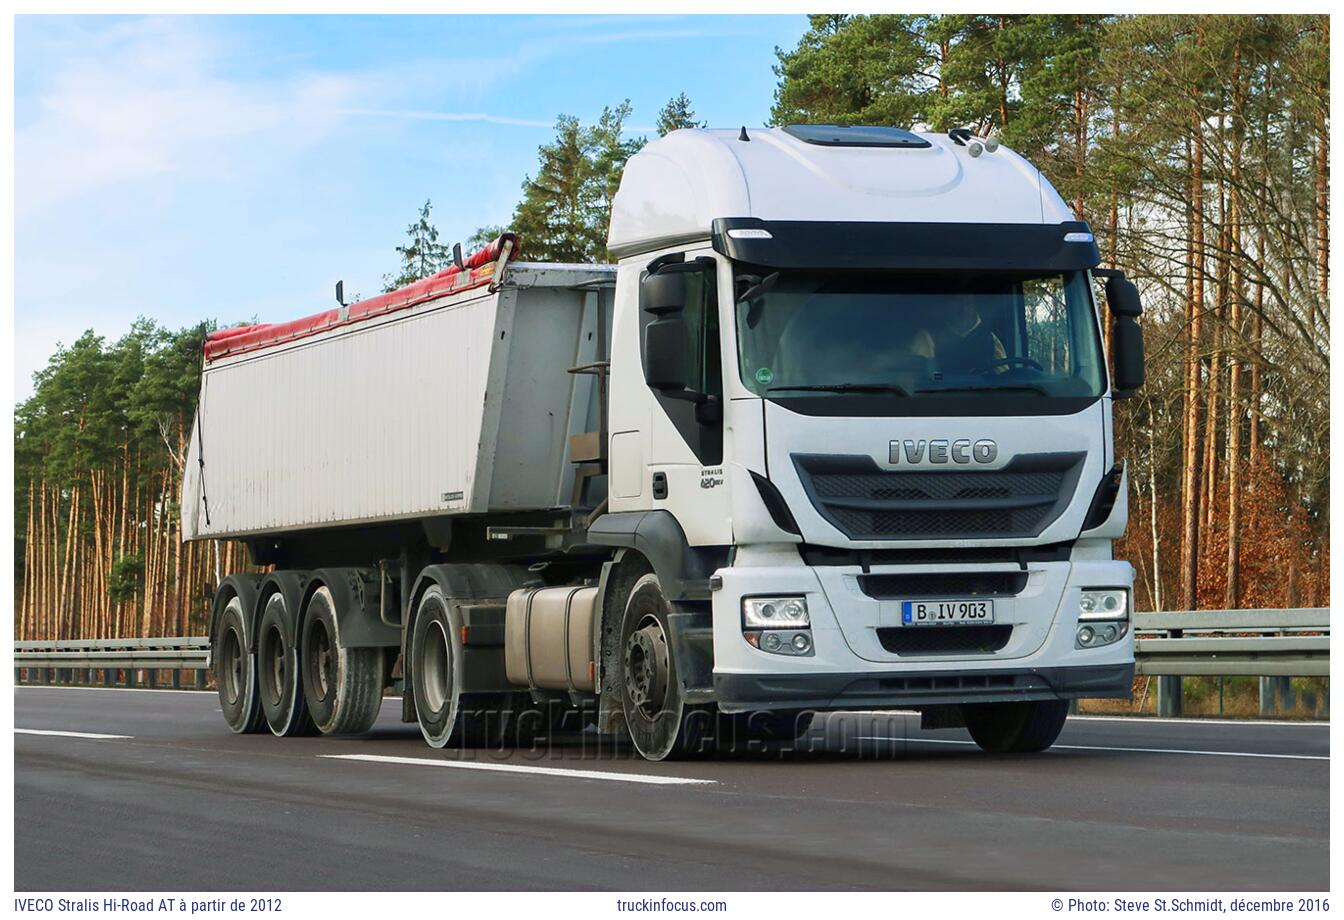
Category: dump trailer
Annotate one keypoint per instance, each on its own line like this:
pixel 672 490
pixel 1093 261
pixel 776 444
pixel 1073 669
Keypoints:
pixel 834 433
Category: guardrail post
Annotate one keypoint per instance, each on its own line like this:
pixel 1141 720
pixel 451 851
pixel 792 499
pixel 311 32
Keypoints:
pixel 130 677
pixel 1276 694
pixel 1169 693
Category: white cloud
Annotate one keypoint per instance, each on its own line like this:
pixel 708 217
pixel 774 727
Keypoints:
pixel 417 115
pixel 145 149
pixel 145 99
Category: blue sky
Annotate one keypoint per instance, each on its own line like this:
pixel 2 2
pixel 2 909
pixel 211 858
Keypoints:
pixel 236 167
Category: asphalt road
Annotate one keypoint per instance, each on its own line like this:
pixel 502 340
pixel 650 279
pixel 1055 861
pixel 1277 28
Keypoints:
pixel 179 803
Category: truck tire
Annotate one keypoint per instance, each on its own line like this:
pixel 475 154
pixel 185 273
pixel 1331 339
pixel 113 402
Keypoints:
pixel 278 673
pixel 342 687
pixel 1016 728
pixel 660 723
pixel 447 715
pixel 235 671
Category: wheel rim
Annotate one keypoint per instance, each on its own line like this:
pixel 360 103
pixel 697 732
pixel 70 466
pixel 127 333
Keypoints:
pixel 321 660
pixel 437 667
pixel 276 660
pixel 232 672
pixel 646 668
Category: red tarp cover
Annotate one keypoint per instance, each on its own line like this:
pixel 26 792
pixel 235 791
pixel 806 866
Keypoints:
pixel 480 270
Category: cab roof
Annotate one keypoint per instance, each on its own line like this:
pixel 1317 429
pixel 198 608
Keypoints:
pixel 675 187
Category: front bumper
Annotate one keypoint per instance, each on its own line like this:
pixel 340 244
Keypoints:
pixel 909 688
pixel 850 669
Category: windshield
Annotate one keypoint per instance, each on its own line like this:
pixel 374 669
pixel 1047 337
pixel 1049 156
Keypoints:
pixel 918 335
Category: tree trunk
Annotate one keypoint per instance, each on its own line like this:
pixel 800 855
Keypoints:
pixel 1235 414
pixel 1322 182
pixel 1194 314
pixel 1257 358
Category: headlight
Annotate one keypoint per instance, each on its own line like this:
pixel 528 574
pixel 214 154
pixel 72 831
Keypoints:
pixel 1103 604
pixel 774 612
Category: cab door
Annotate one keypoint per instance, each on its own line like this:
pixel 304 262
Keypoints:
pixel 681 351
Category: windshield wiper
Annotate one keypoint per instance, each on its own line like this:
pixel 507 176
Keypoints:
pixel 1015 388
pixel 890 388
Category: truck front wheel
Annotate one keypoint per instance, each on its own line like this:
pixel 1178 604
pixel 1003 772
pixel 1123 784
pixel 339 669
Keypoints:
pixel 1016 728
pixel 343 687
pixel 661 725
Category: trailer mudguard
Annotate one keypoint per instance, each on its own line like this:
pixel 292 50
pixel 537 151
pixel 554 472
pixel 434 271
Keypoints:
pixel 245 587
pixel 467 584
pixel 357 597
pixel 292 586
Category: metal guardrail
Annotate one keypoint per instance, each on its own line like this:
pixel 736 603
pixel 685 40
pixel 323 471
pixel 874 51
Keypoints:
pixel 1168 645
pixel 1205 643
pixel 58 661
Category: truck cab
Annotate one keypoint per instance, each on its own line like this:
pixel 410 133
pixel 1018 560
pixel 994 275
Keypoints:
pixel 859 374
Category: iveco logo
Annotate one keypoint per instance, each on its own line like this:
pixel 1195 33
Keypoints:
pixel 962 451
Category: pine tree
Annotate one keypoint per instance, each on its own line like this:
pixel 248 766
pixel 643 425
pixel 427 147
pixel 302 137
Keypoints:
pixel 557 216
pixel 677 114
pixel 856 70
pixel 565 210
pixel 422 256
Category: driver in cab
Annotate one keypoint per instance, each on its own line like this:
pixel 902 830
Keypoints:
pixel 962 343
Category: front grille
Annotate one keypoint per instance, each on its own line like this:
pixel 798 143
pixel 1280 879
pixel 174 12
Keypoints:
pixel 1019 555
pixel 943 584
pixel 866 502
pixel 943 640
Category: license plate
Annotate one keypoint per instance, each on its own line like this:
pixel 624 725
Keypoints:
pixel 946 613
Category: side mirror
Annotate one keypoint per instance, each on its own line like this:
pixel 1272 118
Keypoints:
pixel 665 353
pixel 663 292
pixel 1123 298
pixel 1127 354
pixel 1126 335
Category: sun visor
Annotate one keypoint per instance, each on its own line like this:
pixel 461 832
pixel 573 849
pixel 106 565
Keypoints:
pixel 906 246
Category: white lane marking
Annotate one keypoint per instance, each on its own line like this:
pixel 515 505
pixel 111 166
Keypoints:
pixel 110 689
pixel 1126 750
pixel 527 768
pixel 1133 720
pixel 1211 720
pixel 92 736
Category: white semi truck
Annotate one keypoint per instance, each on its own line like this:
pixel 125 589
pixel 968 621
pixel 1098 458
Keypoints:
pixel 834 433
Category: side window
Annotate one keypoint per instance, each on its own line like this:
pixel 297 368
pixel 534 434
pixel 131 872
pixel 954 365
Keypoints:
pixel 1049 332
pixel 702 326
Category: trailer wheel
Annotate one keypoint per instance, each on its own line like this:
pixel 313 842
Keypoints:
pixel 342 686
pixel 281 688
pixel 446 714
pixel 1016 728
pixel 661 725
pixel 235 671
